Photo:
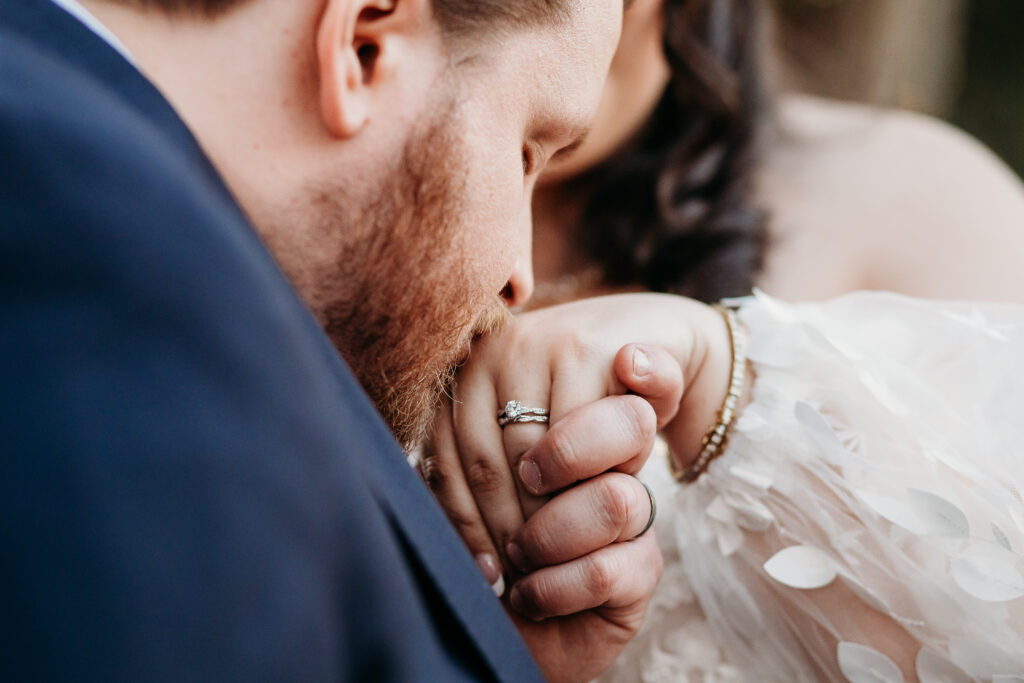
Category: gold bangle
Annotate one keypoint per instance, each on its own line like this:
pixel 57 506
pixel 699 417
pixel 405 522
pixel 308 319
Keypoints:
pixel 713 443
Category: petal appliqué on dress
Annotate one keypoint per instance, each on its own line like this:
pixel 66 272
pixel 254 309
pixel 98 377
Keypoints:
pixel 801 566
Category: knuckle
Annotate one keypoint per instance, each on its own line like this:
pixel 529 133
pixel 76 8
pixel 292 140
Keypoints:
pixel 537 541
pixel 641 421
pixel 616 499
pixel 468 529
pixel 535 595
pixel 563 454
pixel 576 346
pixel 467 523
pixel 600 578
pixel 567 349
pixel 432 472
pixel 463 520
pixel 651 559
pixel 484 477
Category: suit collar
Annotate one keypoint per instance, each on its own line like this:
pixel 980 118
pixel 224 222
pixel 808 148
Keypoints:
pixel 64 36
pixel 431 537
pixel 428 535
pixel 75 9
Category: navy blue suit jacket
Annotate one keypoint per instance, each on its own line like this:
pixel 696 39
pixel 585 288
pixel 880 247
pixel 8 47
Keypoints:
pixel 192 485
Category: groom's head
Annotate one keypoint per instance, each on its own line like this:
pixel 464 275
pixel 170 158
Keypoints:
pixel 386 151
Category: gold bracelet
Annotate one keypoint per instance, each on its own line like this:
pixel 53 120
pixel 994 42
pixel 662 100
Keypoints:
pixel 713 443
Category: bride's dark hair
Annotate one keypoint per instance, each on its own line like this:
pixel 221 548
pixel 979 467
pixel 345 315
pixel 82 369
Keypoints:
pixel 672 210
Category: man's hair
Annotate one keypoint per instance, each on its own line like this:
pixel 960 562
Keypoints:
pixel 461 17
pixel 456 17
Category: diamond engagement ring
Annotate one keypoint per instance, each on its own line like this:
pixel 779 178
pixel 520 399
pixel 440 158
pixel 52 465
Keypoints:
pixel 516 412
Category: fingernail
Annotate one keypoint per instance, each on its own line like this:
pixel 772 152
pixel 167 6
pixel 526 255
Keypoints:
pixel 515 599
pixel 529 473
pixel 488 565
pixel 641 362
pixel 517 557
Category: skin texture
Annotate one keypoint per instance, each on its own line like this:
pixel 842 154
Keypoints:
pixel 607 398
pixel 342 95
pixel 579 360
pixel 613 371
pixel 860 199
pixel 390 171
pixel 863 198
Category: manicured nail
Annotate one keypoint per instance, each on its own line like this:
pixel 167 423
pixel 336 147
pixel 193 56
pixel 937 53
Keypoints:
pixel 489 567
pixel 641 362
pixel 529 473
pixel 517 557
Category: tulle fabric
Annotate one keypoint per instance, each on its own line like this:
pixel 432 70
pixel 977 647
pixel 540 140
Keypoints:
pixel 866 521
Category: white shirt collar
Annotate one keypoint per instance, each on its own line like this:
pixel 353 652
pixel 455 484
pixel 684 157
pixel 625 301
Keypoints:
pixel 76 10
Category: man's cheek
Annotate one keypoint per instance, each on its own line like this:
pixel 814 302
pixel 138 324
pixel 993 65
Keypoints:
pixel 491 232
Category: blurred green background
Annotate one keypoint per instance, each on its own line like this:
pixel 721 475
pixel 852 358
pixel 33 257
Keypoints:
pixel 960 60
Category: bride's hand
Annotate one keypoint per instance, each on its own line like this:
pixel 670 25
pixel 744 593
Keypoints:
pixel 578 360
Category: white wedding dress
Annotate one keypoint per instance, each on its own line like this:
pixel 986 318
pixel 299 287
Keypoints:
pixel 867 516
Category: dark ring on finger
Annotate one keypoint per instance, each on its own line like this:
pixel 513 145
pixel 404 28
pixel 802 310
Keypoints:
pixel 654 510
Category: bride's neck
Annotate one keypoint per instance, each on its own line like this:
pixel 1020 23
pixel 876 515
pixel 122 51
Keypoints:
pixel 562 270
pixel 556 248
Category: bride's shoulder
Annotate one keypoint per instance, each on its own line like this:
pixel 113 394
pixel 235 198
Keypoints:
pixel 895 186
pixel 896 153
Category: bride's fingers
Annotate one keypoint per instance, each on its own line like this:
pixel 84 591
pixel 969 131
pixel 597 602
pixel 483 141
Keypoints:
pixel 615 432
pixel 654 373
pixel 440 468
pixel 532 390
pixel 576 381
pixel 481 454
pixel 618 577
pixel 607 509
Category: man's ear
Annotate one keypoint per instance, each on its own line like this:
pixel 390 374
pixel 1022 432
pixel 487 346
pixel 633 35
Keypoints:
pixel 359 45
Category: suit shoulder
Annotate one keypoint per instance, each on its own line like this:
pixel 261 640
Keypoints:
pixel 90 177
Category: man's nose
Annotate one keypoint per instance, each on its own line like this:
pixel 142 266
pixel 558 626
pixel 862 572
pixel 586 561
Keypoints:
pixel 519 288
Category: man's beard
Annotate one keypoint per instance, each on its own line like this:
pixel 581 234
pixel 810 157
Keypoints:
pixel 400 305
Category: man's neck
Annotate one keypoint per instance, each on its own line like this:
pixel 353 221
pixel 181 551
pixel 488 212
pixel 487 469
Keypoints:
pixel 225 77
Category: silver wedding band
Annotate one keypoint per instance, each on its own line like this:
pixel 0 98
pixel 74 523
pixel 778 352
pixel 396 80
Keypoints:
pixel 654 510
pixel 515 412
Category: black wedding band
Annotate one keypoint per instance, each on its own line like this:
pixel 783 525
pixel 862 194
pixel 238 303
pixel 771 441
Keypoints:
pixel 654 510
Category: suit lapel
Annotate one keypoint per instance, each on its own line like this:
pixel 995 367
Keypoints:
pixel 442 554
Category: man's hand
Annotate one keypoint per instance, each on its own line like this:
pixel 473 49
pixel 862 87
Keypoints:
pixel 582 580
pixel 579 583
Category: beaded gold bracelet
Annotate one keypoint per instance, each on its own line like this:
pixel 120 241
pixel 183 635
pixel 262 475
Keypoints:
pixel 714 440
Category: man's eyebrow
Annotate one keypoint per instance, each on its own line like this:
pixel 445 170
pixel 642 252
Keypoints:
pixel 578 139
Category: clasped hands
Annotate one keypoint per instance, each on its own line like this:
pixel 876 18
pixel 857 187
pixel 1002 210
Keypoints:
pixel 552 511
